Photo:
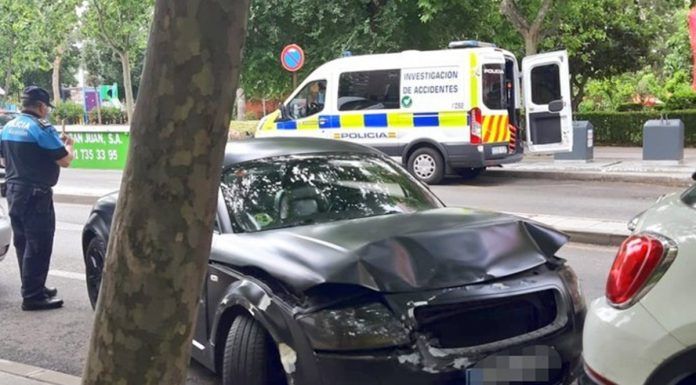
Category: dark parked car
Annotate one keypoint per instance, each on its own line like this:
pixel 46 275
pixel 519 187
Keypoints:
pixel 332 265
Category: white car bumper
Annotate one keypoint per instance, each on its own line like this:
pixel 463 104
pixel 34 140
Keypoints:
pixel 625 346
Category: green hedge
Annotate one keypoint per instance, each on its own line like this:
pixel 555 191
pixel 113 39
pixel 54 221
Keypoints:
pixel 109 115
pixel 626 128
pixel 72 113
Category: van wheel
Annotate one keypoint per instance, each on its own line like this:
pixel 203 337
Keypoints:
pixel 251 357
pixel 427 165
pixel 470 172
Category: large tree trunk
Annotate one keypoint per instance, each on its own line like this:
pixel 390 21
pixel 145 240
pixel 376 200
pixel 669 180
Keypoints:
pixel 57 97
pixel 531 43
pixel 162 230
pixel 127 84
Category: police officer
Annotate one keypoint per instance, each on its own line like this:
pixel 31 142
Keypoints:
pixel 32 152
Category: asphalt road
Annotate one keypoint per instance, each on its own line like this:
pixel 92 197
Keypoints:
pixel 570 198
pixel 57 340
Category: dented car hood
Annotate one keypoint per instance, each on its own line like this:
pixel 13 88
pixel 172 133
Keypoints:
pixel 431 249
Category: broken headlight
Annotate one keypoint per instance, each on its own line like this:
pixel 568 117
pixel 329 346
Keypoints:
pixel 369 326
pixel 573 284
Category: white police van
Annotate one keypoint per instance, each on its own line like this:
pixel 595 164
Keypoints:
pixel 438 112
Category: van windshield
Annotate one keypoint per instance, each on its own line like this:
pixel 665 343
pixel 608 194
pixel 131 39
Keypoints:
pixel 494 95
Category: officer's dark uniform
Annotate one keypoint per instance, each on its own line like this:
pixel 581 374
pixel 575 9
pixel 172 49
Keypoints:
pixel 30 147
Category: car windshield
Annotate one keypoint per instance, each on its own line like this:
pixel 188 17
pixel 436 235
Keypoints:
pixel 299 190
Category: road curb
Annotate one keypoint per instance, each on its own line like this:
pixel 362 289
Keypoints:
pixel 595 238
pixel 593 176
pixel 75 199
pixel 35 373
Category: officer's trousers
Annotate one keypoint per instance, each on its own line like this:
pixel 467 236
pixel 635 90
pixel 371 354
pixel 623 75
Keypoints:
pixel 33 223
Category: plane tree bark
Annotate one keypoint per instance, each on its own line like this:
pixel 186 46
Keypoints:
pixel 162 230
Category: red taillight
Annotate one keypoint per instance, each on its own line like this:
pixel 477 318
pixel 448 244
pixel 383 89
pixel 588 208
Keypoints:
pixel 476 125
pixel 596 377
pixel 637 261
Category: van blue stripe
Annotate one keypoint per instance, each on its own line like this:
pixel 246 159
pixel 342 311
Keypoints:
pixel 426 119
pixel 329 121
pixel 376 120
pixel 289 125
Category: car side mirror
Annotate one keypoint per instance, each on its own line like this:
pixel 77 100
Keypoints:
pixel 556 105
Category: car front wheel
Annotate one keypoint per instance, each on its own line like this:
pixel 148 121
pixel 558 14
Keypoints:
pixel 94 265
pixel 251 356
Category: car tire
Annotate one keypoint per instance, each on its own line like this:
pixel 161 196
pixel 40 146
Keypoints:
pixel 250 355
pixel 427 165
pixel 94 266
pixel 470 173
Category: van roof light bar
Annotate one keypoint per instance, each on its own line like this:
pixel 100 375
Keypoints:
pixel 470 44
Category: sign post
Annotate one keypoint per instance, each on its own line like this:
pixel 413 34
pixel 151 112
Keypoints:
pixel 292 58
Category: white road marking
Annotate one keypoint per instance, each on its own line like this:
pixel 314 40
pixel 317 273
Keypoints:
pixel 198 345
pixel 65 226
pixel 67 274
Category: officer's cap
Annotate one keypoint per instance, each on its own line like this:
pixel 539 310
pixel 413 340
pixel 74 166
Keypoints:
pixel 37 94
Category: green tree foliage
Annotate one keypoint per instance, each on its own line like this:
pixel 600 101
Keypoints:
pixel 324 30
pixel 20 50
pixel 121 25
pixel 605 38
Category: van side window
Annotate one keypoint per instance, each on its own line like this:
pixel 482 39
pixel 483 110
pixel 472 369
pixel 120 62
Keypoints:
pixel 309 101
pixel 494 95
pixel 546 84
pixel 369 90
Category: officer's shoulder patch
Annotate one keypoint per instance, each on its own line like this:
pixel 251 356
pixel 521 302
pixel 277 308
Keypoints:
pixel 44 123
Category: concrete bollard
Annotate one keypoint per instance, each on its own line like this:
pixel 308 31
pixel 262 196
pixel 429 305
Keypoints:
pixel 583 143
pixel 663 141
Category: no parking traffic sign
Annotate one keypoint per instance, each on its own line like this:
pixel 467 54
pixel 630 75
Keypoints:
pixel 292 57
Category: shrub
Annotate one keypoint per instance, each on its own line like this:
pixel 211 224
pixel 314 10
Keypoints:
pixel 72 113
pixel 109 115
pixel 682 99
pixel 626 128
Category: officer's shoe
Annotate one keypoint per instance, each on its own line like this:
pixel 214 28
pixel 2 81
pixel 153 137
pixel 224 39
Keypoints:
pixel 42 304
pixel 50 292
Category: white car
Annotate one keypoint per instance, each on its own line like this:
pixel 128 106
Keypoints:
pixel 5 232
pixel 643 332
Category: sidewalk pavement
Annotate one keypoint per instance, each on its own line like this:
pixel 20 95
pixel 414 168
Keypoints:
pixel 13 373
pixel 611 164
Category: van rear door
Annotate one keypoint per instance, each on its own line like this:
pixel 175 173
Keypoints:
pixel 547 99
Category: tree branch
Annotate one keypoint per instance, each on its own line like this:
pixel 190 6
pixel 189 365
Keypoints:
pixel 541 15
pixel 105 36
pixel 509 9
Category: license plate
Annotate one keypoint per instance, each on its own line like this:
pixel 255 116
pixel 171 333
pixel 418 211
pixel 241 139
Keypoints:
pixel 499 150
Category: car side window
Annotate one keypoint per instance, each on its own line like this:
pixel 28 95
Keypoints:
pixel 369 90
pixel 309 101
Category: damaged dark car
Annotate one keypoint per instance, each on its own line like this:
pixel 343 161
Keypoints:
pixel 330 264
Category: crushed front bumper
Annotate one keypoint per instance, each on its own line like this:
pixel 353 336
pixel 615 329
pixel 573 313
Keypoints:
pixel 551 355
